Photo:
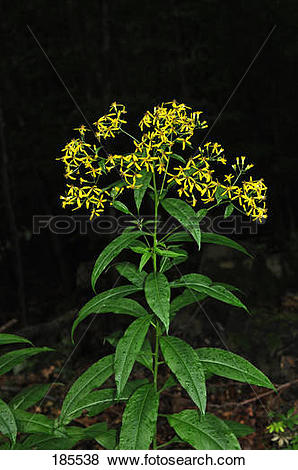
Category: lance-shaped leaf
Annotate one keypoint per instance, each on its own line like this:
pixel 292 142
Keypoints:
pixel 204 285
pixel 33 422
pixel 98 400
pixel 101 301
pixel 110 252
pixel 239 429
pixel 131 272
pixel 157 292
pixel 232 366
pixel 139 419
pixel 12 358
pixel 216 239
pixel 203 433
pixel 92 378
pixel 167 263
pixel 29 396
pixel 8 425
pixel 10 339
pixel 183 361
pixel 187 297
pixel 143 184
pixel 185 214
pixel 47 442
pixel 192 281
pixel 128 348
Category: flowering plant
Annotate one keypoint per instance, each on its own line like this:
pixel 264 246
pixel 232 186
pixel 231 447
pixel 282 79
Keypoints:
pixel 155 167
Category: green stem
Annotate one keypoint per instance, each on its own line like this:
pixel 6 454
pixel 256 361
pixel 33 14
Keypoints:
pixel 157 329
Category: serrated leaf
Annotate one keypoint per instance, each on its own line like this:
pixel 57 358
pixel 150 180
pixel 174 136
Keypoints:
pixel 139 419
pixel 216 239
pixel 98 303
pixel 33 423
pixel 140 192
pixel 131 272
pixel 6 338
pixel 110 252
pixel 8 425
pixel 157 292
pixel 127 350
pixel 92 378
pixel 139 247
pixel 185 214
pixel 239 429
pixel 183 361
pixel 12 358
pixel 29 396
pixel 232 366
pixel 203 433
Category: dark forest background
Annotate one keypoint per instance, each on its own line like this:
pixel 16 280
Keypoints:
pixel 140 54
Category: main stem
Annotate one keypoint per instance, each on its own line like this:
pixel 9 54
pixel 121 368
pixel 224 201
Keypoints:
pixel 157 330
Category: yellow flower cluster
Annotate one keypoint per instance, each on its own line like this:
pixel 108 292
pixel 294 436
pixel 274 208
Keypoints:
pixel 166 128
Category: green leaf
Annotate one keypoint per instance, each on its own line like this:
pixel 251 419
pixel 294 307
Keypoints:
pixel 203 433
pixel 131 272
pixel 95 402
pixel 128 348
pixel 139 247
pixel 183 361
pixel 202 284
pixel 179 237
pixel 228 211
pixel 10 339
pixel 192 281
pixel 144 259
pixel 33 423
pixel 111 251
pixel 29 396
pixel 121 207
pixel 185 214
pixel 100 301
pixel 140 192
pixel 168 263
pixel 178 157
pixel 188 297
pixel 12 358
pixel 224 241
pixel 239 429
pixel 201 214
pixel 139 419
pixel 232 366
pixel 145 355
pixel 107 439
pixel 98 400
pixel 93 377
pixel 157 292
pixel 168 253
pixel 8 425
pixel 46 442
